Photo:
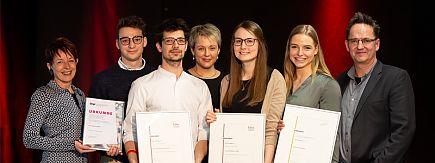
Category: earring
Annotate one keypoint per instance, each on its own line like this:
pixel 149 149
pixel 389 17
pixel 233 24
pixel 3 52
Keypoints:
pixel 217 57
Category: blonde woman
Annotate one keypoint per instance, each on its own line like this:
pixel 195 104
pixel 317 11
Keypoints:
pixel 205 45
pixel 309 82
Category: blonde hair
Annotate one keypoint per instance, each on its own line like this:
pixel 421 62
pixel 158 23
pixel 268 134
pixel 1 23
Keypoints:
pixel 207 30
pixel 318 63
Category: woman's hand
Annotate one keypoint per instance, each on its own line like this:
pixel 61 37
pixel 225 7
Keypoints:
pixel 82 148
pixel 280 126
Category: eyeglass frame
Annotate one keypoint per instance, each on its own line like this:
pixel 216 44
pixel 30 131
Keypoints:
pixel 364 41
pixel 131 39
pixel 174 40
pixel 244 40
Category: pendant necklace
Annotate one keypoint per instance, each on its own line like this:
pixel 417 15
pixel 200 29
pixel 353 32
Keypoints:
pixel 244 85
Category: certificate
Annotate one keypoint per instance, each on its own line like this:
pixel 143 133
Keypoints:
pixel 308 136
pixel 164 137
pixel 103 124
pixel 237 137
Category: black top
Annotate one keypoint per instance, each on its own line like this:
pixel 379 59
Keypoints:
pixel 114 83
pixel 214 86
pixel 239 106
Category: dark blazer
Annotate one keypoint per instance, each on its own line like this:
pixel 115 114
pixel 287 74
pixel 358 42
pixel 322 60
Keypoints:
pixel 384 122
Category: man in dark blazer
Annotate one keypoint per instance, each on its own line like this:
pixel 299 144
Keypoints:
pixel 378 110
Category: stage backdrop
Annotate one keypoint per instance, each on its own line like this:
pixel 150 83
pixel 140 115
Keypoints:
pixel 91 25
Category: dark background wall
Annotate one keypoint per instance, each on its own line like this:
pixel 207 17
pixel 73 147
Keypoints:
pixel 28 26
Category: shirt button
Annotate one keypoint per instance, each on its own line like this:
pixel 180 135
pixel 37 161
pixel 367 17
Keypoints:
pixel 346 133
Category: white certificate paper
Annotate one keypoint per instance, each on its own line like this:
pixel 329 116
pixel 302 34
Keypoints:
pixel 164 137
pixel 236 138
pixel 308 136
pixel 103 123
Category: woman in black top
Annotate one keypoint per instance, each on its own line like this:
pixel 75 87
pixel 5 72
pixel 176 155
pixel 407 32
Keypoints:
pixel 205 44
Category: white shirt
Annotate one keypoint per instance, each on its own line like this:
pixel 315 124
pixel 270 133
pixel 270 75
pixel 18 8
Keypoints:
pixel 160 91
pixel 125 67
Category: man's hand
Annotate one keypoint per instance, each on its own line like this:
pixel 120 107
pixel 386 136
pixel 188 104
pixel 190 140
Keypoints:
pixel 113 151
pixel 210 117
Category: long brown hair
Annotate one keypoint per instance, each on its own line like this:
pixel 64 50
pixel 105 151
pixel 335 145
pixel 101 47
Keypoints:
pixel 318 64
pixel 258 82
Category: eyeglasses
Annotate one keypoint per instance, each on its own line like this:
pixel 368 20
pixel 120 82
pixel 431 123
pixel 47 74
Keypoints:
pixel 126 40
pixel 365 41
pixel 171 41
pixel 248 41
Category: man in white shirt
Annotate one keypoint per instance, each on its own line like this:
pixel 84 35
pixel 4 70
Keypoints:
pixel 169 88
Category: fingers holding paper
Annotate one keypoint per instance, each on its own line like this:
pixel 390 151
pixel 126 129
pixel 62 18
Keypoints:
pixel 82 148
pixel 210 117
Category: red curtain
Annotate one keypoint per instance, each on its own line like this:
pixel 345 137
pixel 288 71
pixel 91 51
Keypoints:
pixel 98 50
pixel 330 21
pixel 5 145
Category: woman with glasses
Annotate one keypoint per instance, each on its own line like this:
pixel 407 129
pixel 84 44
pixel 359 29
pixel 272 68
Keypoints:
pixel 251 86
pixel 56 109
pixel 309 82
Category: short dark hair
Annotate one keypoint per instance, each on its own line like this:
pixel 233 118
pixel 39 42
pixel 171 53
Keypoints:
pixel 62 44
pixel 132 21
pixel 170 25
pixel 361 18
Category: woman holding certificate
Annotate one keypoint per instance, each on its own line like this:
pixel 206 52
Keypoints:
pixel 56 109
pixel 309 82
pixel 251 86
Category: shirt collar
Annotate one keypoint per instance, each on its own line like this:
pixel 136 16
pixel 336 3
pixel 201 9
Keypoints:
pixel 125 67
pixel 52 84
pixel 351 72
pixel 164 72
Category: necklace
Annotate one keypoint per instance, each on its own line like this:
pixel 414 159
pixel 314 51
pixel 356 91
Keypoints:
pixel 203 76
pixel 245 84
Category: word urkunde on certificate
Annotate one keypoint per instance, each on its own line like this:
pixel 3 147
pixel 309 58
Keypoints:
pixel 103 123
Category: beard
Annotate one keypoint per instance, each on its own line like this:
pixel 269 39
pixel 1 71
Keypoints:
pixel 173 58
pixel 177 57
